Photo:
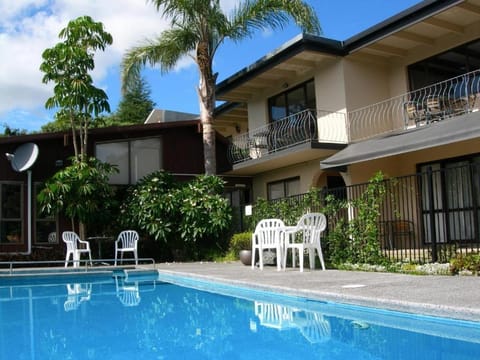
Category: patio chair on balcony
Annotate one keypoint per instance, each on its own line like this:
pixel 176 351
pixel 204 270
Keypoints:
pixel 415 114
pixel 435 108
pixel 310 226
pixel 269 234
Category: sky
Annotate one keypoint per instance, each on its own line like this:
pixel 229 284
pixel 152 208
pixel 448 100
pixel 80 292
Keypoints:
pixel 28 27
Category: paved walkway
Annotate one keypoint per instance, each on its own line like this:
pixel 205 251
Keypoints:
pixel 448 296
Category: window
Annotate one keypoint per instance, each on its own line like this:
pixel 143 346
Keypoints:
pixel 283 188
pixel 45 225
pixel 292 101
pixel 11 210
pixel 134 158
pixel 451 200
pixel 446 65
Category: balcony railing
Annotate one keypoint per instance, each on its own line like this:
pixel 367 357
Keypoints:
pixel 452 97
pixel 446 99
pixel 299 128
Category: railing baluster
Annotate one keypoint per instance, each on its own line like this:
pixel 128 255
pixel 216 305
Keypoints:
pixel 295 129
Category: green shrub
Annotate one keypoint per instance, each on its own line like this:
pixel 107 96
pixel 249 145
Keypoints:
pixel 289 209
pixel 465 262
pixel 190 218
pixel 240 241
pixel 356 242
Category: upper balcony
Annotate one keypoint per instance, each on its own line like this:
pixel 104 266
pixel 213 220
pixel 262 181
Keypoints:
pixel 308 127
pixel 330 130
pixel 440 101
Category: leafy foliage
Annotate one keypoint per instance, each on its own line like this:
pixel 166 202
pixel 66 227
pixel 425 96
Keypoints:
pixel 465 262
pixel 67 64
pixel 81 191
pixel 13 131
pixel 189 217
pixel 240 241
pixel 357 240
pixel 288 209
pixel 134 107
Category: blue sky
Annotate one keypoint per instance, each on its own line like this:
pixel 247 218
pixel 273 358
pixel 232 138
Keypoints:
pixel 27 27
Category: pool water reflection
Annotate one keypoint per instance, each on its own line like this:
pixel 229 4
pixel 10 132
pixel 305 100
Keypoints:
pixel 115 318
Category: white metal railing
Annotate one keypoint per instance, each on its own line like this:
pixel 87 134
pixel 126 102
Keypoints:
pixel 302 127
pixel 446 99
pixel 452 97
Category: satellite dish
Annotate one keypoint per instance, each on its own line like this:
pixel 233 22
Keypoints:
pixel 24 157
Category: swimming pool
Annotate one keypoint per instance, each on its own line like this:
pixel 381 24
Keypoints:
pixel 151 316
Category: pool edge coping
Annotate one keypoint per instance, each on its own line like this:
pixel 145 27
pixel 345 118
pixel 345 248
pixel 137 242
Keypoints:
pixel 449 312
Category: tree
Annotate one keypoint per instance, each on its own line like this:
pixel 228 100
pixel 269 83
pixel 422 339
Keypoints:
pixel 189 217
pixel 134 107
pixel 13 131
pixel 81 191
pixel 67 64
pixel 198 28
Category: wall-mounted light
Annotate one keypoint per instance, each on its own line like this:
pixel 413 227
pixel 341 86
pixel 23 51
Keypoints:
pixel 285 85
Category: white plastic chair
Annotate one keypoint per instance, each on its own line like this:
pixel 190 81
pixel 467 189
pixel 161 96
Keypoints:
pixel 52 238
pixel 268 235
pixel 311 226
pixel 75 247
pixel 126 242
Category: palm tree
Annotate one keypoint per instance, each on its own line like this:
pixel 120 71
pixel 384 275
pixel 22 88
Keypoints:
pixel 197 29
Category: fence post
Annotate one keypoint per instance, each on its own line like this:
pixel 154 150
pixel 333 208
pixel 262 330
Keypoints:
pixel 431 214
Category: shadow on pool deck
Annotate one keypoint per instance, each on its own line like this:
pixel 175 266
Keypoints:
pixel 448 296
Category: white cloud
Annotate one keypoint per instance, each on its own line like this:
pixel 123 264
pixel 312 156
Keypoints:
pixel 28 27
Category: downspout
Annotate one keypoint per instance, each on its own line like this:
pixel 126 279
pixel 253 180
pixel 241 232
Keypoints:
pixel 29 213
pixel 22 160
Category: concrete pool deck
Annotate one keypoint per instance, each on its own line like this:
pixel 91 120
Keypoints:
pixel 447 296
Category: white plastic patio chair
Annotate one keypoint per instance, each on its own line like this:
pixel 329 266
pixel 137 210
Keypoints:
pixel 126 242
pixel 310 226
pixel 75 247
pixel 268 235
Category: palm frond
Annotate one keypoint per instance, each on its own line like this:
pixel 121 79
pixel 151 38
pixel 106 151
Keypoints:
pixel 253 15
pixel 165 51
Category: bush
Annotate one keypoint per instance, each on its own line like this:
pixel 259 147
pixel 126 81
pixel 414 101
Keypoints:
pixel 190 218
pixel 240 241
pixel 462 263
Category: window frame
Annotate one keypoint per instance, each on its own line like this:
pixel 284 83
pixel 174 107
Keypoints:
pixel 285 188
pixel 287 106
pixel 21 219
pixel 445 212
pixel 37 186
pixel 130 145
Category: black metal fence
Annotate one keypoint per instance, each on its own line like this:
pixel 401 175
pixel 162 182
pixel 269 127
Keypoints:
pixel 425 217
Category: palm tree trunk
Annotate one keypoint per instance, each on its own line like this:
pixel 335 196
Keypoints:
pixel 206 93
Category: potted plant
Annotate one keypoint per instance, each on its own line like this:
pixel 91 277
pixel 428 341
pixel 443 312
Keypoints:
pixel 241 244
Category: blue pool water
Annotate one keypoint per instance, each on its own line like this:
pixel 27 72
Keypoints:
pixel 103 317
